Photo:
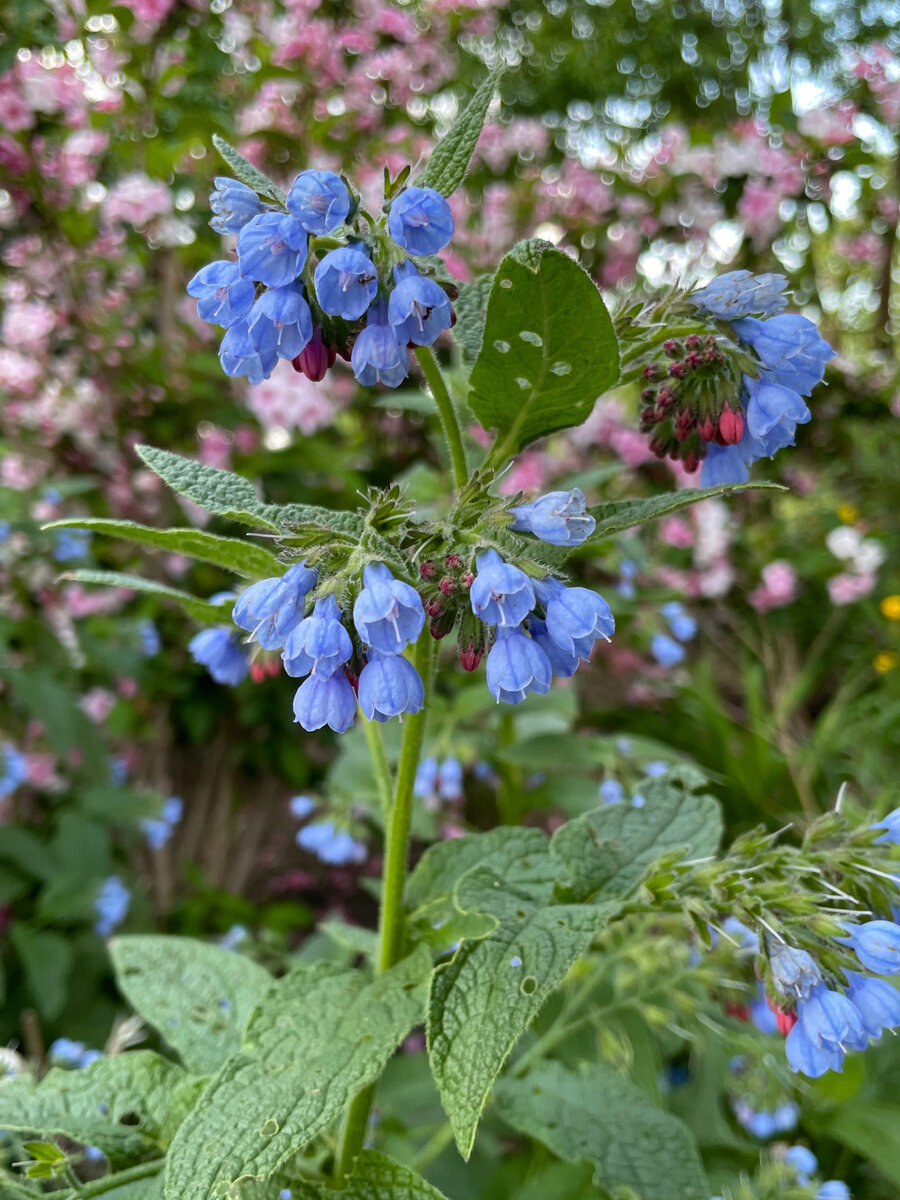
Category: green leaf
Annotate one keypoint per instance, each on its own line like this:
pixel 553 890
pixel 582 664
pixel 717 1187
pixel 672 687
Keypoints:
pixel 549 349
pixel 228 495
pixel 244 558
pixel 44 1151
pixel 598 1115
pixel 375 1177
pixel 870 1129
pixel 247 173
pixel 127 1104
pixel 471 312
pixel 199 997
pixel 200 610
pixel 485 998
pixel 617 515
pixel 47 961
pixel 317 1038
pixel 609 850
pixel 449 160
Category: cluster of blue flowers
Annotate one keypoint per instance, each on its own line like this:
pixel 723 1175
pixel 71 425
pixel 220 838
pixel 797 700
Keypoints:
pixel 158 830
pixel 13 769
pixel 268 300
pixel 612 790
pixel 439 780
pixel 325 839
pixel 667 648
pixel 65 1052
pixel 792 358
pixel 111 905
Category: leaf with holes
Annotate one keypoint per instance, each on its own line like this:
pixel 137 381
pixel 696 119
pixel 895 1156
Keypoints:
pixel 244 558
pixel 199 997
pixel 128 1105
pixel 485 998
pixel 318 1037
pixel 598 1115
pixel 549 349
pixel 226 494
pixel 246 172
pixel 608 851
pixel 449 160
pixel 200 610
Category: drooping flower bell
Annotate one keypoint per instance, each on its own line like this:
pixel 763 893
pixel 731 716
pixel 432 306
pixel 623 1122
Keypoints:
pixel 418 308
pixel 559 518
pixel 223 295
pixel 271 608
pixel 739 294
pixel 377 355
pixel 280 322
pixel 319 200
pixel 390 686
pixel 516 666
pixel 234 204
pixel 219 650
pixel 575 616
pixel 420 220
pixel 388 613
pixel 501 594
pixel 327 701
pixel 346 282
pixel 272 249
pixel 319 643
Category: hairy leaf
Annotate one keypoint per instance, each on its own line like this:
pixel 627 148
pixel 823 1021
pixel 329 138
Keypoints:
pixel 598 1115
pixel 47 960
pixel 549 349
pixel 226 494
pixel 199 997
pixel 608 851
pixel 246 172
pixel 617 515
pixel 200 610
pixel 244 558
pixel 319 1036
pixel 485 998
pixel 127 1104
pixel 374 1177
pixel 471 311
pixel 449 160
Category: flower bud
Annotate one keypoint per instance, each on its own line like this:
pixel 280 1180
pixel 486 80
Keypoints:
pixel 684 424
pixel 453 561
pixel 447 586
pixel 707 428
pixel 731 426
pixel 677 369
pixel 471 641
pixel 427 570
pixel 315 358
pixel 672 347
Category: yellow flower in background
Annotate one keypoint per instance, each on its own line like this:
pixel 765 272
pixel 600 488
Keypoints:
pixel 890 607
pixel 848 514
pixel 885 661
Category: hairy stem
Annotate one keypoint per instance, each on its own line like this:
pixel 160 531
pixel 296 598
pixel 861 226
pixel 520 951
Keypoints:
pixel 447 413
pixel 391 922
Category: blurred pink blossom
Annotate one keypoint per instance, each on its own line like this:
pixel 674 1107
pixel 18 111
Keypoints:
pixel 847 588
pixel 778 587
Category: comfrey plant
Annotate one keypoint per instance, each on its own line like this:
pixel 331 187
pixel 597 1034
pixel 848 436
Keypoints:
pixel 276 1079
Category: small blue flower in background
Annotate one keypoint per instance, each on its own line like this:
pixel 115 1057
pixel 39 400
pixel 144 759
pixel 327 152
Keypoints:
pixel 346 282
pixel 500 594
pixel 239 356
pixel 562 663
pixel 301 807
pixel 118 771
pixel 418 308
pixel 330 844
pixel 149 638
pixel 666 651
pixel 271 608
pixel 13 769
pixel 377 355
pixel 234 204
pixel 285 1194
pixel 111 905
pixel 877 946
pixel 219 650
pixel 627 572
pixel 833 1189
pixel 389 686
pixel 223 295
pixel 272 249
pixel 319 643
pixel 638 801
pixel 794 972
pixel 611 791
pixel 425 784
pixel 330 702
pixel 94 1154
pixel 71 544
pixel 233 938
pixel 280 322
pixel 450 779
pixel 576 617
pixel 516 666
pixel 791 349
pixel 891 826
pixel 420 221
pixel 66 1052
pixel 5 530
pixel 388 613
pixel 559 518
pixel 740 933
pixel 683 626
pixel 877 1003
pixel 654 769
pixel 803 1161
pixel 739 294
pixel 319 200
pixel 158 830
pixel 760 1013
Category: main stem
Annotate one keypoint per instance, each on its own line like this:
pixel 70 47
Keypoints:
pixel 447 413
pixel 391 917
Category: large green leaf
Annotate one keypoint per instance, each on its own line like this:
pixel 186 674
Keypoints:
pixel 200 610
pixel 607 851
pixel 244 558
pixel 374 1177
pixel 128 1104
pixel 47 961
pixel 616 515
pixel 199 997
pixel 870 1129
pixel 449 160
pixel 317 1038
pixel 485 998
pixel 598 1115
pixel 228 495
pixel 549 349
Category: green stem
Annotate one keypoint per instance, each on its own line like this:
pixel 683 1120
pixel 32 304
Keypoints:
pixel 380 765
pixel 391 924
pixel 109 1182
pixel 447 413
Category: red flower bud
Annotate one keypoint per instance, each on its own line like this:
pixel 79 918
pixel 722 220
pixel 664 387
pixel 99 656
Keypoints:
pixel 684 424
pixel 666 397
pixel 672 347
pixel 315 358
pixel 690 462
pixel 471 656
pixel 353 679
pixel 693 360
pixel 707 428
pixel 693 342
pixel 453 561
pixel 434 608
pixel 652 371
pixel 678 370
pixel 731 426
pixel 741 1011
pixel 648 395
pixel 427 570
pixel 447 586
pixel 257 672
pixel 468 579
